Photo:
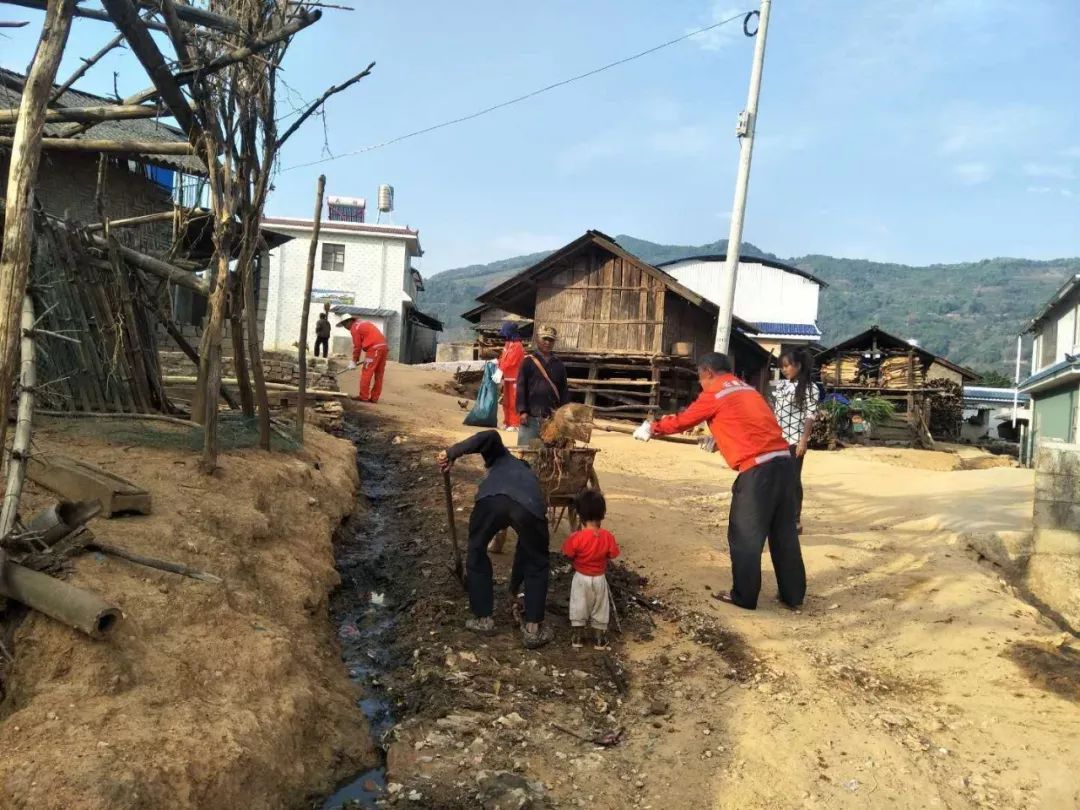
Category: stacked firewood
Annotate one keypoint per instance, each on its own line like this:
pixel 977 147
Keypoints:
pixel 845 370
pixel 946 408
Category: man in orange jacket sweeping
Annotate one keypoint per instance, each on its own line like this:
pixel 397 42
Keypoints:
pixel 763 496
pixel 367 338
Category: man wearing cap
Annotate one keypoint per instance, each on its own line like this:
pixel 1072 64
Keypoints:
pixel 367 339
pixel 542 387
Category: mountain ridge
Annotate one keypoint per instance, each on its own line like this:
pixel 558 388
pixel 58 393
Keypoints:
pixel 970 312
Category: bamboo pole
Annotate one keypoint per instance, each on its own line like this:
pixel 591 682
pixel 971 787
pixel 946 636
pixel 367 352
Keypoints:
pixel 130 222
pixel 119 147
pixel 153 562
pixel 25 156
pixel 305 306
pixel 20 444
pixel 188 379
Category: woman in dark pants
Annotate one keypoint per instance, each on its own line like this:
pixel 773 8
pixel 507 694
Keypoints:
pixel 795 405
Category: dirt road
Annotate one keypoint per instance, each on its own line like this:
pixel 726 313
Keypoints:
pixel 914 677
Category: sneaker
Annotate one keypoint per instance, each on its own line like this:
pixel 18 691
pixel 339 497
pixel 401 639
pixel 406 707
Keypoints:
pixel 577 640
pixel 485 625
pixel 601 642
pixel 534 641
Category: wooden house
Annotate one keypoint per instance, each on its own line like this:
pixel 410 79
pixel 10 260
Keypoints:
pixel 877 364
pixel 629 333
pixel 487 320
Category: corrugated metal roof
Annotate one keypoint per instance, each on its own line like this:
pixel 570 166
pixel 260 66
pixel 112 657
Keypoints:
pixel 368 312
pixel 145 129
pixel 791 329
pixel 1064 368
pixel 980 393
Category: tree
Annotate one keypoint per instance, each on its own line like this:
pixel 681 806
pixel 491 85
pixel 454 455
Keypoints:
pixel 994 379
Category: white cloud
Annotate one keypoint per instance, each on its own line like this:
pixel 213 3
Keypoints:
pixel 972 173
pixel 719 38
pixel 1057 171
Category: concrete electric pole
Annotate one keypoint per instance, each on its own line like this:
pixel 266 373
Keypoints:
pixel 745 131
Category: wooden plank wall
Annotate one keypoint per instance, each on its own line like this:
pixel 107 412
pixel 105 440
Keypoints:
pixel 684 321
pixel 600 303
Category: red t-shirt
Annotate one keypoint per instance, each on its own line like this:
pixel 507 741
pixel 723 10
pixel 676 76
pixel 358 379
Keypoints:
pixel 590 549
pixel 740 420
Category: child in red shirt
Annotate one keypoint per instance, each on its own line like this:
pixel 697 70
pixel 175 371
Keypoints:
pixel 589 550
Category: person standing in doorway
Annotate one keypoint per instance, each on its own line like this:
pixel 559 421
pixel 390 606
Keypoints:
pixel 763 496
pixel 542 386
pixel 510 360
pixel 795 405
pixel 322 335
pixel 369 341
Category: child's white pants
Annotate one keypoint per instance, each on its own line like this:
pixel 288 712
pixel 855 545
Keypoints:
pixel 589 601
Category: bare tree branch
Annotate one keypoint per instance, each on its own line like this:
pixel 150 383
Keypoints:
pixel 319 102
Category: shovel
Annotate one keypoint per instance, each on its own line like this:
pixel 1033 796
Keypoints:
pixel 459 569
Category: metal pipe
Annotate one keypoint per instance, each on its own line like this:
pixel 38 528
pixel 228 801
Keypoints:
pixel 83 610
pixel 1016 378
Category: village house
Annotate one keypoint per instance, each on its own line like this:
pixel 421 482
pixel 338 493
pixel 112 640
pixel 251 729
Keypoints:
pixel 1054 382
pixel 875 363
pixel 361 268
pixel 628 332
pixel 779 299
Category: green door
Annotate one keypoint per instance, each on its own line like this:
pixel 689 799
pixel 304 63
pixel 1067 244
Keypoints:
pixel 1055 415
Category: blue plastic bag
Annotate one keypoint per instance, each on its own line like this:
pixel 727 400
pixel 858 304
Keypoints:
pixel 485 413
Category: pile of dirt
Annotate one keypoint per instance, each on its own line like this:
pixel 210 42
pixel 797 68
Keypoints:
pixel 208 696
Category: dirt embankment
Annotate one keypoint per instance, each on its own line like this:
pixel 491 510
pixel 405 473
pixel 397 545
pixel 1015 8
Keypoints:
pixel 207 696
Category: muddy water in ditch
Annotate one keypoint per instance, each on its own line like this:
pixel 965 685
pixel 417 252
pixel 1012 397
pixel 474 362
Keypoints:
pixel 364 608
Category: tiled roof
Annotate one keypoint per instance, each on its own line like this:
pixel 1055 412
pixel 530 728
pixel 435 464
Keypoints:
pixel 980 393
pixel 143 129
pixel 790 329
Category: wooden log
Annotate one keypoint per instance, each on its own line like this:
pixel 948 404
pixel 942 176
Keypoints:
pixel 613 381
pixel 126 17
pixel 119 147
pixel 81 609
pixel 251 315
pixel 18 232
pixel 78 11
pixel 130 222
pixel 157 267
pixel 305 305
pixel 118 112
pixel 197 16
pixel 75 480
pixel 236 334
pixel 179 379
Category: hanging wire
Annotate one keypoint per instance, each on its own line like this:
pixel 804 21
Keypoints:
pixel 518 99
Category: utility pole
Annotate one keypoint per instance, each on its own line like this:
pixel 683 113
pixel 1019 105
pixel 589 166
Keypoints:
pixel 745 131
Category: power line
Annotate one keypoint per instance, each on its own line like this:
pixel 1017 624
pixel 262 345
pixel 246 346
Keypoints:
pixel 524 97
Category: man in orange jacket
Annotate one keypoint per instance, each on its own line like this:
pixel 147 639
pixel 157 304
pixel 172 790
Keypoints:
pixel 763 496
pixel 367 338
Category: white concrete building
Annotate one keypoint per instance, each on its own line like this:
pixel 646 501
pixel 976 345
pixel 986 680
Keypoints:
pixel 362 267
pixel 779 299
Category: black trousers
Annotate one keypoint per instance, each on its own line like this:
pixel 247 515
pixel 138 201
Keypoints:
pixel 489 517
pixel 798 484
pixel 763 506
pixel 325 343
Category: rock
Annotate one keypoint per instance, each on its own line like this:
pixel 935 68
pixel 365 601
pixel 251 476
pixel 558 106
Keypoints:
pixel 658 707
pixel 460 723
pixel 415 796
pixel 512 720
pixel 503 790
pixel 852 785
pixel 393 788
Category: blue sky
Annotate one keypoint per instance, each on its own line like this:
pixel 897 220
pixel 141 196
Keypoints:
pixel 916 131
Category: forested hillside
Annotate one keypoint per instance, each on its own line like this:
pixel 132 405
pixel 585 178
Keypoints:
pixel 969 312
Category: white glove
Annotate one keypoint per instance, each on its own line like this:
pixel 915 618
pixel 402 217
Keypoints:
pixel 644 433
pixel 352 365
pixel 497 376
pixel 707 443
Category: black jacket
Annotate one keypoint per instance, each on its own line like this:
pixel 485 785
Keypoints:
pixel 535 396
pixel 506 474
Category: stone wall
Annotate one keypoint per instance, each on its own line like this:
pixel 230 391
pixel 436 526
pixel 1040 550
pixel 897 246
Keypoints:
pixel 278 367
pixel 1053 569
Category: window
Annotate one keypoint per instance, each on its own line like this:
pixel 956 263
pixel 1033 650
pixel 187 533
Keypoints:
pixel 333 257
